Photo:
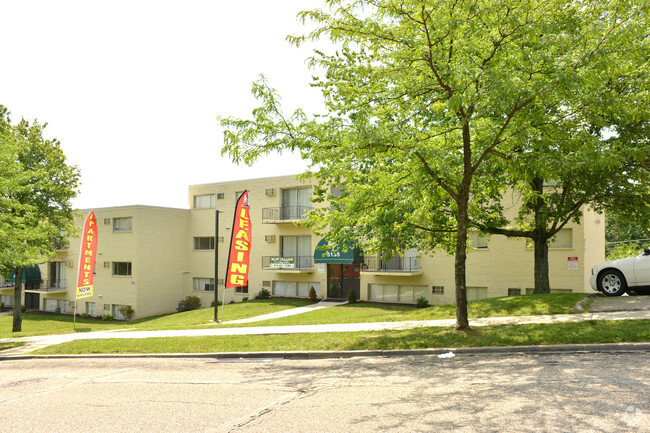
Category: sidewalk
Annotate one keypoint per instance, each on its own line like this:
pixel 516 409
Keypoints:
pixel 38 342
pixel 285 313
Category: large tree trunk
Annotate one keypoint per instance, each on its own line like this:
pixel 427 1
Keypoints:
pixel 540 239
pixel 18 302
pixel 462 320
pixel 542 284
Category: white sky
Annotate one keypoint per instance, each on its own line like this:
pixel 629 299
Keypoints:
pixel 132 88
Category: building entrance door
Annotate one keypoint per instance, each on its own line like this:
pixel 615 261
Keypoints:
pixel 32 301
pixel 341 278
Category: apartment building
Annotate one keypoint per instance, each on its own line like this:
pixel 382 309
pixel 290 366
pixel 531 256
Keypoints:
pixel 150 257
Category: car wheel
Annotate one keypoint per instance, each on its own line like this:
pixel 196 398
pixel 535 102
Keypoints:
pixel 612 283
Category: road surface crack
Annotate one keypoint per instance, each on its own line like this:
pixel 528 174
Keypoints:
pixel 287 399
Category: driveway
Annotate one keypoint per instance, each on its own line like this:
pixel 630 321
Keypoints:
pixel 604 304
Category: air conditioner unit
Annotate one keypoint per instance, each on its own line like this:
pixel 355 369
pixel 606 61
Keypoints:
pixel 107 221
pixel 269 238
pixel 270 192
pixel 107 264
pixel 68 263
pixel 220 195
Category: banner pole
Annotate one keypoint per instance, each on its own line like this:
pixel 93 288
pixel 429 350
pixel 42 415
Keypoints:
pixel 74 316
pixel 216 267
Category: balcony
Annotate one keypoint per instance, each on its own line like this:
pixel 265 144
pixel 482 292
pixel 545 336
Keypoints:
pixel 291 264
pixel 395 266
pixel 47 285
pixel 284 214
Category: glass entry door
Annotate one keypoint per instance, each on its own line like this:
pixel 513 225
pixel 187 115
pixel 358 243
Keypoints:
pixel 343 278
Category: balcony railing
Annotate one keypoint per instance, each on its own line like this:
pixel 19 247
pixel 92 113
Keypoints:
pixel 394 264
pixel 285 213
pixel 56 284
pixel 287 263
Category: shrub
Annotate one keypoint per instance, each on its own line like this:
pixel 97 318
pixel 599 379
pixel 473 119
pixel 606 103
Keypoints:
pixel 126 311
pixel 107 317
pixel 86 315
pixel 352 297
pixel 219 303
pixel 312 295
pixel 263 294
pixel 422 302
pixel 244 299
pixel 192 303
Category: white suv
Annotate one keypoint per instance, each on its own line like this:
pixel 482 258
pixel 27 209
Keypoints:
pixel 617 277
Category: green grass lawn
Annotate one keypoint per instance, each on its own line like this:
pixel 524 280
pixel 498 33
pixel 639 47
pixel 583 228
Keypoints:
pixel 422 338
pixel 4 346
pixel 48 324
pixel 528 305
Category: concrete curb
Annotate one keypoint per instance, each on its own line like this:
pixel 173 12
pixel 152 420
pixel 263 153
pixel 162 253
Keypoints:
pixel 307 355
pixel 581 306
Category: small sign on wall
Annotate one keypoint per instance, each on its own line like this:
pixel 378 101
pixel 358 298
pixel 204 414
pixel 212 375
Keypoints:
pixel 572 263
pixel 132 285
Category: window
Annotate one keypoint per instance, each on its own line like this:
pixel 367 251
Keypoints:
pixel 122 224
pixel 57 275
pixel 204 201
pixel 563 239
pixel 294 289
pixel 204 243
pixel 394 293
pixel 243 289
pixel 91 308
pixel 117 313
pixel 122 269
pixel 438 290
pixel 530 291
pixel 298 247
pixel 477 240
pixel 476 293
pixel 56 305
pixel 204 284
pixel 295 203
pixel 8 300
pixel 107 308
pixel 514 292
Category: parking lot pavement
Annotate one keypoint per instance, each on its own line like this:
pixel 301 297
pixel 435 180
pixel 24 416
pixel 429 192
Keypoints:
pixel 604 304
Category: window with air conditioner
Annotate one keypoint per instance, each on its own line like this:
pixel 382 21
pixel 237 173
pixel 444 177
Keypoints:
pixel 204 284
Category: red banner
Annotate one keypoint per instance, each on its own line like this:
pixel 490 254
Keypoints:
pixel 87 254
pixel 240 245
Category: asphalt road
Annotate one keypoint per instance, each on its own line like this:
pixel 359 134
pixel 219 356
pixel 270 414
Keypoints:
pixel 584 392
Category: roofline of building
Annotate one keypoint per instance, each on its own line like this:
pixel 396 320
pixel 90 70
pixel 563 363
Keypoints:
pixel 286 176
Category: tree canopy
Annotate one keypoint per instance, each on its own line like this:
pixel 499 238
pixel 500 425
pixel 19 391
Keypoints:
pixel 36 189
pixel 426 100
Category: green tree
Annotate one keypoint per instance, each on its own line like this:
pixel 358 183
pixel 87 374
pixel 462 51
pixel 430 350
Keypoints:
pixel 36 189
pixel 424 99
